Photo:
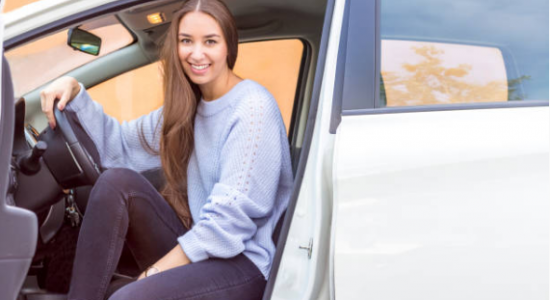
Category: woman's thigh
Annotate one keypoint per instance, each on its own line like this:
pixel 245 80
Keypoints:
pixel 235 278
pixel 152 225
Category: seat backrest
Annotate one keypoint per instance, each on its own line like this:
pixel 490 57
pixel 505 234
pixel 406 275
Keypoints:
pixel 18 227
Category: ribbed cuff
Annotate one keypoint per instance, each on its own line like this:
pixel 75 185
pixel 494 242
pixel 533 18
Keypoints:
pixel 192 247
pixel 80 100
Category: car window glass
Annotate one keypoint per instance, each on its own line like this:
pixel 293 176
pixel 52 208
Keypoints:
pixel 11 5
pixel 42 60
pixel 132 94
pixel 276 66
pixel 442 52
pixel 273 64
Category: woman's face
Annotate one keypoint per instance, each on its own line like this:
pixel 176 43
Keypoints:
pixel 202 48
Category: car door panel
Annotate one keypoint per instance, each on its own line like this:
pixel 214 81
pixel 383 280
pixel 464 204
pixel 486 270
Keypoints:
pixel 444 204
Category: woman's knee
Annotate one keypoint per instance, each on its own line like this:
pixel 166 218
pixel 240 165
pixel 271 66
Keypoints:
pixel 118 177
pixel 114 183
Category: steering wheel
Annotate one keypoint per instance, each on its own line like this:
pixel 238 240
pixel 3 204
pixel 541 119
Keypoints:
pixel 69 162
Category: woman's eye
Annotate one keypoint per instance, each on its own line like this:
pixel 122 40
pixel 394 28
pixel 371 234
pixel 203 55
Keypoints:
pixel 211 42
pixel 185 41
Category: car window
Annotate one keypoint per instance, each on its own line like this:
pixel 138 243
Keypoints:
pixel 42 60
pixel 11 5
pixel 131 94
pixel 443 51
pixel 274 64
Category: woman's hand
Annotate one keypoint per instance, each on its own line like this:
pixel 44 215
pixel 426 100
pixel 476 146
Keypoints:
pixel 64 89
pixel 175 258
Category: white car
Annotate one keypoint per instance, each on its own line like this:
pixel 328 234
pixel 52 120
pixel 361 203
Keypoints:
pixel 419 135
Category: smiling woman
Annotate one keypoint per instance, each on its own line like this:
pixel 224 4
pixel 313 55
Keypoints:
pixel 224 153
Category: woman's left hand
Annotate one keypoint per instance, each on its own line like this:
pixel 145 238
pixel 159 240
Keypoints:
pixel 175 258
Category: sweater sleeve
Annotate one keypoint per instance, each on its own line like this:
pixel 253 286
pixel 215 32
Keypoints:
pixel 118 144
pixel 250 166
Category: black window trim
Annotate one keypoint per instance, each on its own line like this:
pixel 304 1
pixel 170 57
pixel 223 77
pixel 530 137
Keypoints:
pixel 361 58
pixel 431 108
pixel 356 85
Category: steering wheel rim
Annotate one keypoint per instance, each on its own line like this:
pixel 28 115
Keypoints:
pixel 84 169
pixel 64 126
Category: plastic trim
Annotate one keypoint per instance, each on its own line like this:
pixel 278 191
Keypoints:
pixel 18 227
pixel 357 84
pixel 300 90
pixel 359 90
pixel 299 103
pixel 336 116
pixel 445 107
pixel 7 116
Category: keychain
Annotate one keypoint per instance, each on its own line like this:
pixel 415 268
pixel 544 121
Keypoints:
pixel 72 210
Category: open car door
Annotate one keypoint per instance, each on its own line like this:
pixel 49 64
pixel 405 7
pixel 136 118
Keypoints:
pixel 18 227
pixel 437 199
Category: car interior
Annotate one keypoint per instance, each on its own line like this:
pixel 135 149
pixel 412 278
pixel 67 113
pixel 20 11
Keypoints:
pixel 55 169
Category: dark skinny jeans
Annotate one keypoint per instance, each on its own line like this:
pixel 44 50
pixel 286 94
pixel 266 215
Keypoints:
pixel 125 208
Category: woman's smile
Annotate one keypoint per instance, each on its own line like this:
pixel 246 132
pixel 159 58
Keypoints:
pixel 199 69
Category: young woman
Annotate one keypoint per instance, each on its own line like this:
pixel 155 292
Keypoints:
pixel 222 145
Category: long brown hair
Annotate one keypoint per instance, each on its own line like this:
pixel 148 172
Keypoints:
pixel 181 97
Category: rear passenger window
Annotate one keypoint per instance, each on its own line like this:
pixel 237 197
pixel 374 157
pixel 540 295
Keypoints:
pixel 446 51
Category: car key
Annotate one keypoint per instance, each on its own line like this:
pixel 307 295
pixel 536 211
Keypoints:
pixel 72 211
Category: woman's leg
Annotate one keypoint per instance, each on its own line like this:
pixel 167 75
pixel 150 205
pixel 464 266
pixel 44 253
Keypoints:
pixel 236 278
pixel 123 206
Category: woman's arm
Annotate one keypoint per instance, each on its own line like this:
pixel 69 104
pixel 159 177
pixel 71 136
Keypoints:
pixel 119 145
pixel 175 258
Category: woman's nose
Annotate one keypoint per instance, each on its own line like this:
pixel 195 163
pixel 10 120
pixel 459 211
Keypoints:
pixel 197 53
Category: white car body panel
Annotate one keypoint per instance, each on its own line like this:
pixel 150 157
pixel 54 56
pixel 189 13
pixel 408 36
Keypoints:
pixel 443 205
pixel 300 277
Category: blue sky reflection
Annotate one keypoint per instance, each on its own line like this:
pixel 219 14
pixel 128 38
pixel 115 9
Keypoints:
pixel 518 28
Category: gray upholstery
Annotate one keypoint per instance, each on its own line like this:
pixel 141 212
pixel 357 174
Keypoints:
pixel 18 227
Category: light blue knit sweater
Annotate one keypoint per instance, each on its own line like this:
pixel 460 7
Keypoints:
pixel 239 175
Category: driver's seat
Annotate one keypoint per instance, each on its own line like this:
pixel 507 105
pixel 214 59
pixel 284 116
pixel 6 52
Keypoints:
pixel 18 227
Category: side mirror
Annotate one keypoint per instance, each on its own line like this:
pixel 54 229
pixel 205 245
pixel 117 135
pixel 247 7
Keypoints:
pixel 84 41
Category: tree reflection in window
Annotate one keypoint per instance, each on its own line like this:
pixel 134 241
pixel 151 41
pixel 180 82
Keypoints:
pixel 426 73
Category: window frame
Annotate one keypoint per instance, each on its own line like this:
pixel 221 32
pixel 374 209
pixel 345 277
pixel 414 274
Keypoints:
pixel 355 97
